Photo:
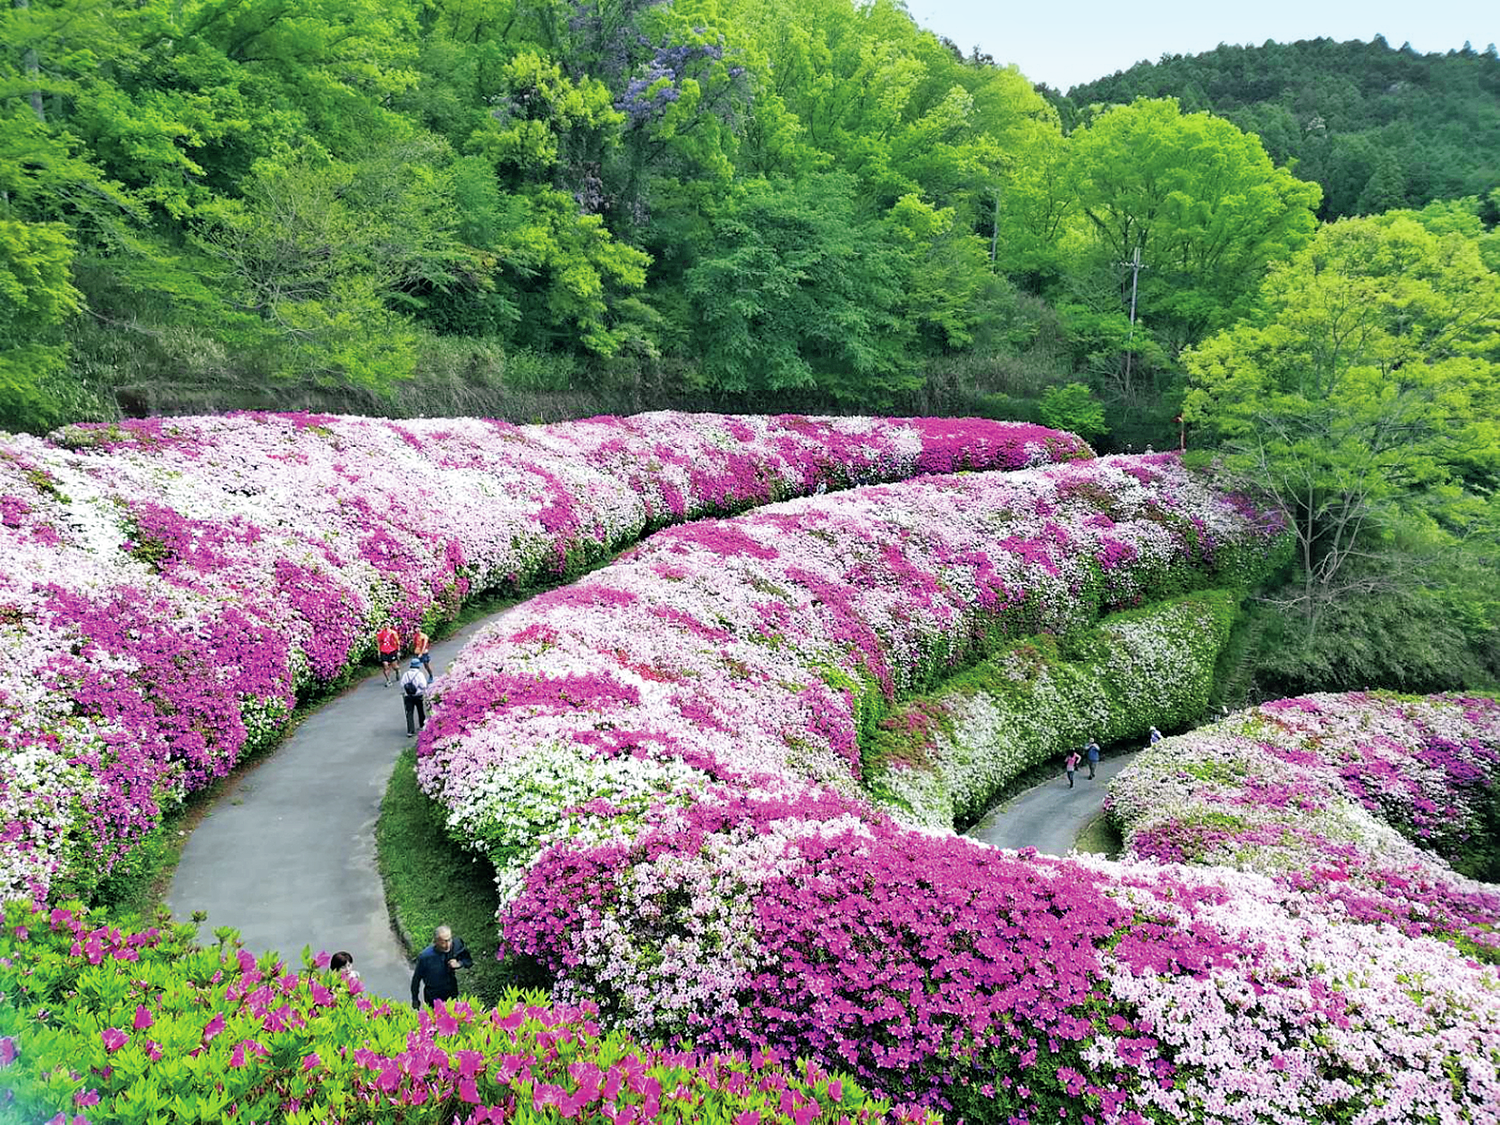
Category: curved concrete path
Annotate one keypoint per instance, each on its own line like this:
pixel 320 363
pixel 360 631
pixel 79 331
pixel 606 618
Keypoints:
pixel 1048 817
pixel 286 854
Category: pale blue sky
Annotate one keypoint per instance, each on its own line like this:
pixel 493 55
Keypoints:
pixel 1065 42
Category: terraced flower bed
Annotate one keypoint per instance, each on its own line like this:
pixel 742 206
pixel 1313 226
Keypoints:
pixel 664 763
pixel 174 586
pixel 670 763
pixel 768 645
pixel 1364 800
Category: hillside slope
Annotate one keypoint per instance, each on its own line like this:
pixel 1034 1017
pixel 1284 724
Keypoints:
pixel 1377 127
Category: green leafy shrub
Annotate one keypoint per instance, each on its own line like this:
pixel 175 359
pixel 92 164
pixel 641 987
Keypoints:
pixel 134 1025
pixel 941 758
pixel 1074 408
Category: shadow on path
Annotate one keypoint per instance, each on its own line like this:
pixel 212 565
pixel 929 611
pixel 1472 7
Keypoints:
pixel 1048 817
pixel 286 854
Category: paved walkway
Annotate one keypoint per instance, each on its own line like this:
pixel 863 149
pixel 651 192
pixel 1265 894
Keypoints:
pixel 286 854
pixel 1048 817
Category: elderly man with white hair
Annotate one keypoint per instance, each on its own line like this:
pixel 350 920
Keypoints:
pixel 437 967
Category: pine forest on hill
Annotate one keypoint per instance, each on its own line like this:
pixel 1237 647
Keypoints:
pixel 549 208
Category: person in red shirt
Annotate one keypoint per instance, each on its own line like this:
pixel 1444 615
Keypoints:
pixel 388 641
pixel 421 648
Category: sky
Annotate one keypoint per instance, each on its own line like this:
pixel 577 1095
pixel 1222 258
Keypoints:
pixel 1065 42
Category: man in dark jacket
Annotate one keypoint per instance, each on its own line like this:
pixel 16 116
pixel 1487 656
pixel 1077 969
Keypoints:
pixel 436 967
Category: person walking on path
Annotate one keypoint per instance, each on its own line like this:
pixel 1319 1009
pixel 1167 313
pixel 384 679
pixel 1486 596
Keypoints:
pixel 388 641
pixel 437 967
pixel 1071 764
pixel 421 648
pixel 1092 750
pixel 414 683
pixel 1155 737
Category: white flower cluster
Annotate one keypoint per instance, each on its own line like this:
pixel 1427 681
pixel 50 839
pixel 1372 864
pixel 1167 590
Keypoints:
pixel 201 571
pixel 1032 704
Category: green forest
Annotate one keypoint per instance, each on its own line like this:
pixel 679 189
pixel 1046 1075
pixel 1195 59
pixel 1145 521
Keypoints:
pixel 1283 257
pixel 1376 128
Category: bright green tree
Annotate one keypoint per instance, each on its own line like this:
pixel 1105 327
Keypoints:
pixel 36 297
pixel 1367 389
pixel 1074 408
pixel 798 292
pixel 1202 202
pixel 562 265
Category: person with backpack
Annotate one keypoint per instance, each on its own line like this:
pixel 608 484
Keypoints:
pixel 388 641
pixel 1092 749
pixel 414 683
pixel 1070 765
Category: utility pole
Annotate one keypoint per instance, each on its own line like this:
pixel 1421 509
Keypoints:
pixel 1135 267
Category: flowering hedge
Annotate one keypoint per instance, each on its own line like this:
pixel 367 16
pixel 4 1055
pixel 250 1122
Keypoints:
pixel 170 587
pixel 767 645
pixel 664 762
pixel 1362 798
pixel 133 1026
pixel 941 759
pixel 1005 986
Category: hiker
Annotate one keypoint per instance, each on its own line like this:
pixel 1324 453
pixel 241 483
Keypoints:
pixel 1155 737
pixel 436 967
pixel 343 964
pixel 388 641
pixel 1093 752
pixel 414 683
pixel 1071 764
pixel 421 648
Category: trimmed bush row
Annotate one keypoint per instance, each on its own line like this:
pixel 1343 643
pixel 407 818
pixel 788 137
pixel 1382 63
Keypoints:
pixel 712 871
pixel 1363 798
pixel 136 1026
pixel 173 585
pixel 766 646
pixel 940 760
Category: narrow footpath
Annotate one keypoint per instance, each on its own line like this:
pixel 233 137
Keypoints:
pixel 1048 817
pixel 286 854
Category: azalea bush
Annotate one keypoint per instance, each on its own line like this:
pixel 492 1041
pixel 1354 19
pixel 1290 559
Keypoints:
pixel 1002 986
pixel 176 586
pixel 772 644
pixel 133 1025
pixel 1368 799
pixel 940 759
pixel 665 763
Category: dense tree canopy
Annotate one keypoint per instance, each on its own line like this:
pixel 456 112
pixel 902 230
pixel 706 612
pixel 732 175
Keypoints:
pixel 1364 400
pixel 1377 128
pixel 371 206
